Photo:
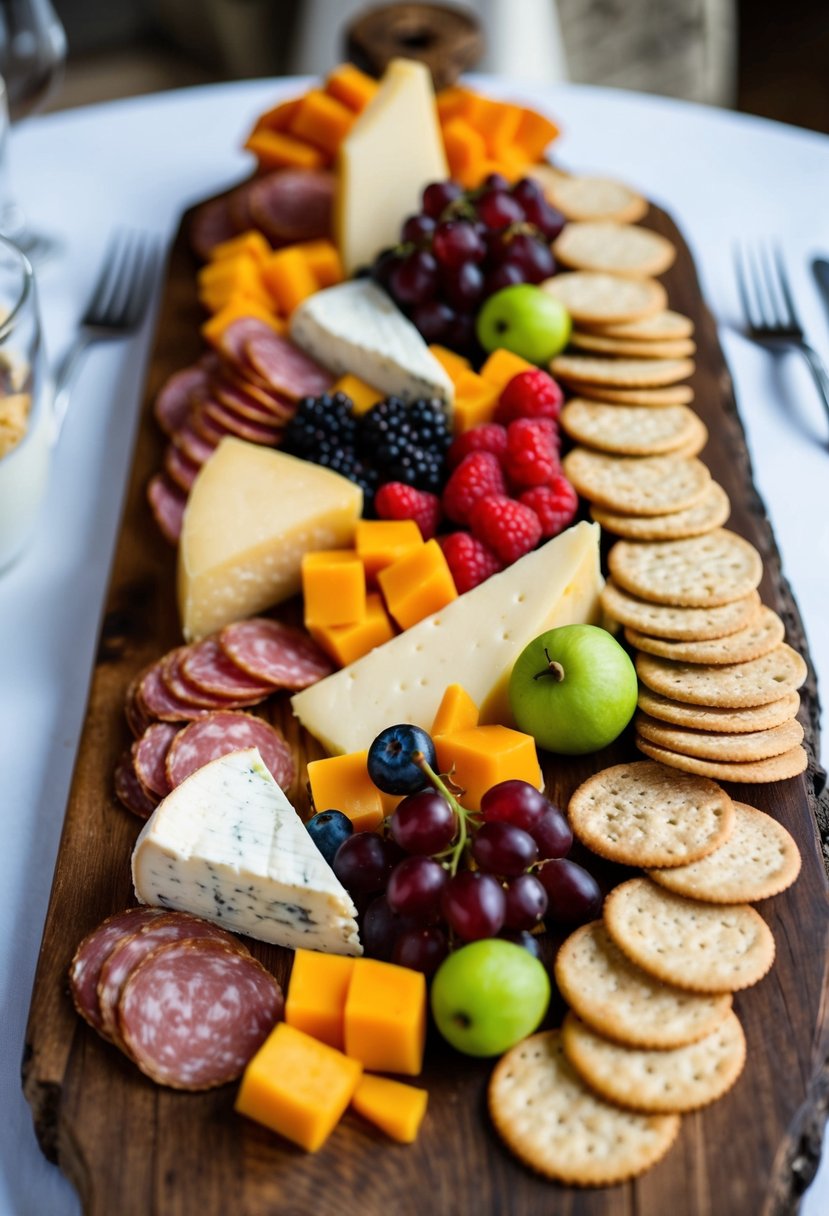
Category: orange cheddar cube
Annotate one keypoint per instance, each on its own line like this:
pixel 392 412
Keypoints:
pixel 323 121
pixel 279 117
pixel 457 711
pixel 453 364
pixel 252 244
pixel 236 307
pixel 534 133
pixel 465 151
pixel 362 395
pixel 279 150
pixel 288 277
pixel 342 783
pixel 315 1003
pixel 385 1017
pixel 351 86
pixel 476 400
pixel 334 587
pixel 453 102
pixel 481 757
pixel 502 365
pixel 381 542
pixel 324 262
pixel 239 275
pixel 501 129
pixel 347 643
pixel 417 584
pixel 395 1108
pixel 298 1087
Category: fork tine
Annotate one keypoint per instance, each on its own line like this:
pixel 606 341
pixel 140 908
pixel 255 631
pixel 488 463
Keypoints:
pixel 104 283
pixel 116 307
pixel 742 285
pixel 765 307
pixel 142 284
pixel 777 304
pixel 783 280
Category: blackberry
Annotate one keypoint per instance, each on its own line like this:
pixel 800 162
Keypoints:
pixel 407 442
pixel 323 423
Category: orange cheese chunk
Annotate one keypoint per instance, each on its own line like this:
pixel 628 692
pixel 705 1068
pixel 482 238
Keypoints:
pixel 481 757
pixel 396 1108
pixel 502 365
pixel 238 275
pixel 385 1017
pixel 465 152
pixel 380 542
pixel 347 643
pixel 279 150
pixel 334 587
pixel 315 1003
pixel 280 117
pixel 452 363
pixel 417 584
pixel 534 133
pixel 457 711
pixel 351 86
pixel 324 261
pixel 251 243
pixel 298 1087
pixel 362 395
pixel 239 306
pixel 322 120
pixel 342 783
pixel 289 278
pixel 476 400
pixel 501 128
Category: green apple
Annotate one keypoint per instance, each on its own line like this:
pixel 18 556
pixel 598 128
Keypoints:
pixel 489 995
pixel 526 320
pixel 573 689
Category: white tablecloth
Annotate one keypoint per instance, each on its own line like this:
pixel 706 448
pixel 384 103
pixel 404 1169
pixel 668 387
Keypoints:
pixel 80 173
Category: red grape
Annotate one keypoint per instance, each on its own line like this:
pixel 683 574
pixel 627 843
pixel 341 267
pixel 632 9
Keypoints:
pixel 380 929
pixel 384 264
pixel 421 949
pixel 527 191
pixel 456 242
pixel 434 320
pixel 415 279
pixel 502 848
pixel 474 905
pixel 515 802
pixel 532 256
pixel 505 275
pixel 498 209
pixel 424 823
pixel 363 863
pixel 573 895
pixel 417 228
pixel 415 888
pixel 523 939
pixel 463 286
pixel 495 181
pixel 545 218
pixel 438 195
pixel 526 902
pixel 553 834
pixel 461 333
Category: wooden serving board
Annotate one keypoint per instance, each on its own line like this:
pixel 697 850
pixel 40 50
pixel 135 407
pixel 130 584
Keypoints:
pixel 133 1148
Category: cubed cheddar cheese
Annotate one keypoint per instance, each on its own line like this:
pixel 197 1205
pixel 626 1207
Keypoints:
pixel 317 991
pixel 279 117
pixel 352 87
pixel 476 400
pixel 385 1017
pixel 280 150
pixel 417 584
pixel 534 133
pixel 396 1108
pixel 362 395
pixel 502 365
pixel 239 306
pixel 381 542
pixel 288 277
pixel 347 643
pixel 333 587
pixel 452 363
pixel 465 151
pixel 322 120
pixel 457 711
pixel 324 261
pixel 298 1087
pixel 251 243
pixel 342 783
pixel 481 757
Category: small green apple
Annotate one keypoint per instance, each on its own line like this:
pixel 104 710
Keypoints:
pixel 489 995
pixel 573 689
pixel 526 320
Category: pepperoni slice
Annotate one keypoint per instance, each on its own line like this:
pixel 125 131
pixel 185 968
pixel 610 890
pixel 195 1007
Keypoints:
pixel 167 503
pixel 293 204
pixel 180 469
pixel 148 756
pixel 159 703
pixel 223 732
pixel 173 401
pixel 92 953
pixel 193 1013
pixel 129 791
pixel 207 667
pixel 231 394
pixel 279 654
pixel 191 443
pixel 219 415
pixel 211 223
pixel 285 368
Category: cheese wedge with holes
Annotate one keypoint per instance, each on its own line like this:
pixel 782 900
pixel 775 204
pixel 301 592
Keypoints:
pixel 474 641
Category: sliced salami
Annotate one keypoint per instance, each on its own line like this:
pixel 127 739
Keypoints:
pixel 137 717
pixel 221 733
pixel 279 654
pixel 234 339
pixel 148 756
pixel 167 503
pixel 129 791
pixel 180 688
pixel 243 403
pixel 179 468
pixel 265 433
pixel 195 448
pixel 159 703
pixel 286 368
pixel 173 401
pixel 92 953
pixel 193 1013
pixel 293 205
pixel 238 205
pixel 280 407
pixel 206 428
pixel 207 667
pixel 211 224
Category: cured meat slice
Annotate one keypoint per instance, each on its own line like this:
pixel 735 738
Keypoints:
pixel 243 403
pixel 180 687
pixel 280 407
pixel 193 1013
pixel 179 468
pixel 159 703
pixel 221 733
pixel 293 204
pixel 92 953
pixel 148 756
pixel 238 205
pixel 286 368
pixel 206 428
pixel 212 223
pixel 219 415
pixel 173 401
pixel 167 503
pixel 191 443
pixel 273 652
pixel 137 717
pixel 207 667
pixel 129 791
pixel 237 334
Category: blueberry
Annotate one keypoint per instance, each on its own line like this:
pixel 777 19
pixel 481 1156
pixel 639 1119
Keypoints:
pixel 328 829
pixel 391 759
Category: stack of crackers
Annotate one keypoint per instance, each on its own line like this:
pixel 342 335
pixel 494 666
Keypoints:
pixel 651 1031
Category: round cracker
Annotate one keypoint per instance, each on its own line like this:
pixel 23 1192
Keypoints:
pixel 729 686
pixel 609 247
pixel 629 430
pixel 760 636
pixel 665 326
pixel 702 947
pixel 593 198
pixel 710 513
pixel 725 721
pixel 622 1002
pixel 637 485
pixel 632 813
pixel 759 859
pixel 679 349
pixel 756 772
pixel 554 1123
pixel 620 373
pixel 655 398
pixel 602 298
pixel 701 572
pixel 679 1079
pixel 711 745
pixel 672 621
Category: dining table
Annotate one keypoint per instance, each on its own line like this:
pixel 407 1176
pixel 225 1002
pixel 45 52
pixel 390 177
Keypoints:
pixel 725 178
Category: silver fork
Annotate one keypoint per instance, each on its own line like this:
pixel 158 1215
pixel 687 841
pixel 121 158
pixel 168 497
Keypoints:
pixel 116 307
pixel 771 317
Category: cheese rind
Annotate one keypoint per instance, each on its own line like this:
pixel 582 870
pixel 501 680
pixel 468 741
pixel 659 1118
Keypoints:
pixel 474 641
pixel 227 845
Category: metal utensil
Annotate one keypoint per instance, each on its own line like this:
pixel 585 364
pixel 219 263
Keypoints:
pixel 820 269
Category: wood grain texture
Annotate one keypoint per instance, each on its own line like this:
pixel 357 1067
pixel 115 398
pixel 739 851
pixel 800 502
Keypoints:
pixel 133 1148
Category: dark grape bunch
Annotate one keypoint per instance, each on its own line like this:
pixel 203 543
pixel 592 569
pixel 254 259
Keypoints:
pixel 461 248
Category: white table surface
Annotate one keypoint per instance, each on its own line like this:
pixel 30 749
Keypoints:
pixel 141 162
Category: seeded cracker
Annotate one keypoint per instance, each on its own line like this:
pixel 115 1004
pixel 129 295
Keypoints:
pixel 702 572
pixel 679 348
pixel 760 636
pixel 621 373
pixel 549 1118
pixel 757 772
pixel 710 513
pixel 729 686
pixel 670 621
pixel 648 485
pixel 603 298
pixel 709 745
pixel 628 430
pixel 594 198
pixel 709 718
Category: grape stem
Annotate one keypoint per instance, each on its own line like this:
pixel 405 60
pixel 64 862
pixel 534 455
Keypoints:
pixel 454 854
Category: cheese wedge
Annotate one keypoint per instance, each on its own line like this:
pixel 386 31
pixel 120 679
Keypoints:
pixel 392 151
pixel 474 641
pixel 251 515
pixel 227 845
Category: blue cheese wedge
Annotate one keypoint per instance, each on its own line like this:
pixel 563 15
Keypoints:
pixel 227 845
pixel 356 327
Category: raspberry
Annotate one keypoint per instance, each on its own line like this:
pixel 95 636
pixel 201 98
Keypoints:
pixel 530 395
pixel 508 527
pixel 532 457
pixel 469 560
pixel 555 505
pixel 488 437
pixel 478 475
pixel 394 500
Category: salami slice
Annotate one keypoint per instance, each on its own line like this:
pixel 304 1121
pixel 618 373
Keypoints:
pixel 191 443
pixel 293 204
pixel 180 687
pixel 238 205
pixel 92 953
pixel 206 428
pixel 193 1013
pixel 137 717
pixel 129 791
pixel 286 368
pixel 270 651
pixel 265 433
pixel 280 407
pixel 179 468
pixel 148 756
pixel 167 503
pixel 235 337
pixel 221 733
pixel 243 403
pixel 159 703
pixel 211 224
pixel 207 667
pixel 173 401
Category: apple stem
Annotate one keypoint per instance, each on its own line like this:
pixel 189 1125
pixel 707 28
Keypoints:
pixel 553 669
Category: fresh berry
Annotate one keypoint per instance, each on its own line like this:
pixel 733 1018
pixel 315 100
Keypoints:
pixel 415 888
pixel 468 559
pixel 488 437
pixel 502 849
pixel 437 197
pixel 474 904
pixel 421 949
pixel 456 242
pixel 509 528
pixel 364 862
pixel 392 759
pixel 574 897
pixel 380 928
pixel 395 500
pixel 515 802
pixel 555 505
pixel 531 458
pixel 477 476
pixel 328 829
pixel 532 394
pixel 424 823
pixel 526 902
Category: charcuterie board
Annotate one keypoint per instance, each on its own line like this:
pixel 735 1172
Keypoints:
pixel 131 1147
